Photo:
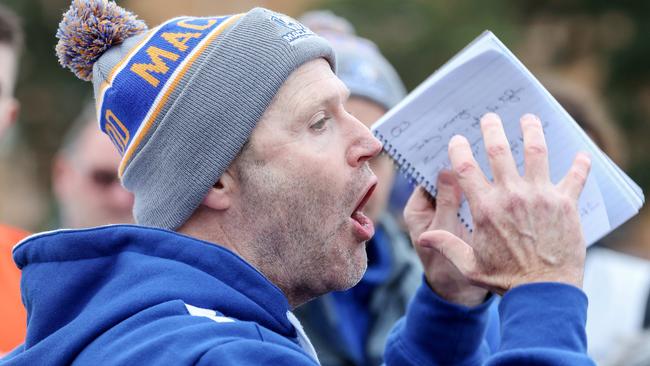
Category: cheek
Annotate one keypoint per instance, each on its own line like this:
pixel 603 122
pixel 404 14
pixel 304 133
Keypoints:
pixel 323 170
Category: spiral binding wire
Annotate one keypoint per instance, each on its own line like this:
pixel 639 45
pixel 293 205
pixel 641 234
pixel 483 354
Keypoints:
pixel 411 173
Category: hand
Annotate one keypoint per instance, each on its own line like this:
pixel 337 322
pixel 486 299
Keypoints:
pixel 525 228
pixel 423 213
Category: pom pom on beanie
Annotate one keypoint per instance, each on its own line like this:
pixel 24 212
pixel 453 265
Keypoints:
pixel 88 29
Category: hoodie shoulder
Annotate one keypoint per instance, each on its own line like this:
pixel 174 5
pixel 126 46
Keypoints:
pixel 182 334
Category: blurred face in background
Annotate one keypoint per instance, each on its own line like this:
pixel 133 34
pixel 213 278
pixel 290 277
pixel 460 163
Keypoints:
pixel 8 104
pixel 369 112
pixel 86 185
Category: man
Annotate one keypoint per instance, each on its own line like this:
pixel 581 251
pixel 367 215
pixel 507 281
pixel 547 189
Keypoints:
pixel 234 135
pixel 12 312
pixel 351 327
pixel 84 177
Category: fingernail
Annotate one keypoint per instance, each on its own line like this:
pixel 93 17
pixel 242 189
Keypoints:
pixel 490 115
pixel 529 117
pixel 585 156
pixel 457 139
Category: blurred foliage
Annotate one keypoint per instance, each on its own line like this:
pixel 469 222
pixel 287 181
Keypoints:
pixel 627 70
pixel 417 36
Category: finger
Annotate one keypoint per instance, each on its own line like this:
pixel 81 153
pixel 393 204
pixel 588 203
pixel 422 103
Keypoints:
pixel 419 212
pixel 447 201
pixel 535 150
pixel 420 201
pixel 469 174
pixel 574 181
pixel 498 149
pixel 459 253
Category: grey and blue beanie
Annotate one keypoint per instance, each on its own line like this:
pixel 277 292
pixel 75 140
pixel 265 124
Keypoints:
pixel 359 63
pixel 179 101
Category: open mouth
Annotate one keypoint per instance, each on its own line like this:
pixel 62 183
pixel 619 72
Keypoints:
pixel 364 228
pixel 365 198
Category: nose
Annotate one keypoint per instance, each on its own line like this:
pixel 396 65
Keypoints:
pixel 364 145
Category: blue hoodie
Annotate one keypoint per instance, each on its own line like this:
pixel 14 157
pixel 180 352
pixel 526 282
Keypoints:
pixel 131 295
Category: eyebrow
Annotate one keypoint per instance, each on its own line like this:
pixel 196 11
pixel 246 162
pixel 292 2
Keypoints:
pixel 331 99
pixel 342 94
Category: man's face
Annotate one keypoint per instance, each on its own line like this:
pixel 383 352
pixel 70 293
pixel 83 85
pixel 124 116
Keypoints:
pixel 8 104
pixel 86 184
pixel 303 179
pixel 368 113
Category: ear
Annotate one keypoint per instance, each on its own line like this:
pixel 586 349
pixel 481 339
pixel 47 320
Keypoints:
pixel 220 196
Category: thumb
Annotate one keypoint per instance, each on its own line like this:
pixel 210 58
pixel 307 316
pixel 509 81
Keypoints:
pixel 447 201
pixel 420 201
pixel 459 253
pixel 418 213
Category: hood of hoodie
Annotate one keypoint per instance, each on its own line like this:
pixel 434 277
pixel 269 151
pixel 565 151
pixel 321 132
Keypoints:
pixel 78 284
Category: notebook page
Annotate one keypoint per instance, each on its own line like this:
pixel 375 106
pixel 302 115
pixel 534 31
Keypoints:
pixel 418 131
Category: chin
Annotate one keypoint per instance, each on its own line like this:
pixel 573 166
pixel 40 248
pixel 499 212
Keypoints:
pixel 354 272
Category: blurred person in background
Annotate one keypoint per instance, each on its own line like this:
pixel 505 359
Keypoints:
pixel 616 283
pixel 351 327
pixel 84 177
pixel 12 313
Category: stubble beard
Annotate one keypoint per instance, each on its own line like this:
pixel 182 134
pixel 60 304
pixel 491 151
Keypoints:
pixel 297 243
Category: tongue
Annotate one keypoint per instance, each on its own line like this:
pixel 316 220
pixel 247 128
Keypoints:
pixel 365 228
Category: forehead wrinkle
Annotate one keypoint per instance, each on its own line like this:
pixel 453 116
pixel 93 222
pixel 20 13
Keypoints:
pixel 301 92
pixel 321 97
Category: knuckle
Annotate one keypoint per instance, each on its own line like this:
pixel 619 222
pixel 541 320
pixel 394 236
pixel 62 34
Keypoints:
pixel 497 150
pixel 541 201
pixel 535 150
pixel 567 205
pixel 481 213
pixel 579 175
pixel 465 168
pixel 445 201
pixel 514 201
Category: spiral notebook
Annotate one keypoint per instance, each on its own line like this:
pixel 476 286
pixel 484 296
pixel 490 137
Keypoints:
pixel 486 77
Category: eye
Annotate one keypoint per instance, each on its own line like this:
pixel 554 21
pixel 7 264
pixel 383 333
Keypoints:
pixel 320 125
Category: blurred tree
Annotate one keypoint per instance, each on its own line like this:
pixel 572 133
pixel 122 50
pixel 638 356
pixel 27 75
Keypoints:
pixel 622 42
pixel 418 36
